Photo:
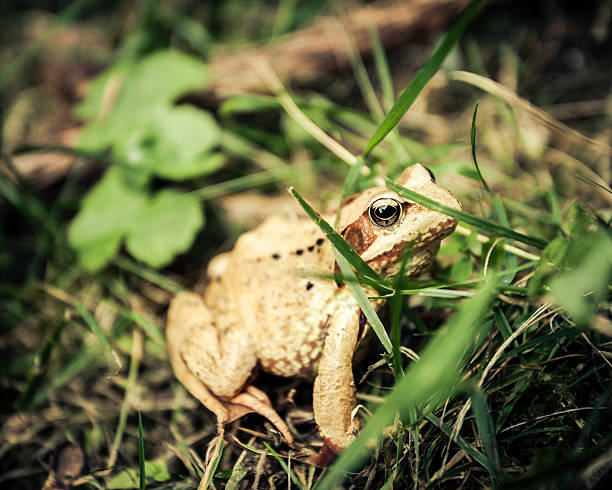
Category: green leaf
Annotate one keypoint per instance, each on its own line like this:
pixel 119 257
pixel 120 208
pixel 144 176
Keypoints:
pixel 124 479
pixel 91 105
pixel 140 87
pixel 427 382
pixel 237 474
pixel 106 213
pixel 96 255
pixel 581 288
pixel 466 217
pixel 428 70
pixel 184 137
pixel 166 226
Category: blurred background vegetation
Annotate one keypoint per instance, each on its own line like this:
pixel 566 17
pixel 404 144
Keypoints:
pixel 139 138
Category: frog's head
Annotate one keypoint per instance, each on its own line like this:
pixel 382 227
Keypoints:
pixel 379 223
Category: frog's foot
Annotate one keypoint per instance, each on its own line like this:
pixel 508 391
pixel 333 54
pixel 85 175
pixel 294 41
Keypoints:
pixel 254 400
pixel 215 361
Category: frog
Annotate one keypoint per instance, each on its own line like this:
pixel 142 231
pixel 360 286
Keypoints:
pixel 270 305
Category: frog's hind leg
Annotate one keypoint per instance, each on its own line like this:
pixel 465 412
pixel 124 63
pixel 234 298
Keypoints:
pixel 214 362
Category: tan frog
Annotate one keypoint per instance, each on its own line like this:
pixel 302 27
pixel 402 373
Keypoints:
pixel 264 308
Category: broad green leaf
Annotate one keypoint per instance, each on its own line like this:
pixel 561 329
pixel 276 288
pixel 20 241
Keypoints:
pixel 580 289
pixel 96 255
pixel 427 382
pixel 428 70
pixel 184 136
pixel 238 473
pixel 106 214
pixel 132 91
pixel 128 478
pixel 185 132
pixel 91 105
pixel 466 217
pixel 166 226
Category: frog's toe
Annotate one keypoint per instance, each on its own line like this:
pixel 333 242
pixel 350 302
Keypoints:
pixel 255 400
pixel 325 455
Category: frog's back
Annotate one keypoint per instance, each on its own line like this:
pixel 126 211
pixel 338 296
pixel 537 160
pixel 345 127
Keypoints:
pixel 271 277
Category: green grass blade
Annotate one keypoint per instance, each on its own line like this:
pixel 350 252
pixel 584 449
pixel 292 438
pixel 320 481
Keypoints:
pixel 382 68
pixel 260 178
pixel 460 441
pixel 337 241
pixel 148 274
pixel 432 379
pixel 215 465
pixel 350 185
pixel 593 183
pixel 396 311
pixel 473 143
pixel 97 330
pixel 290 473
pixel 428 70
pixel 347 257
pixel 39 370
pixel 141 454
pixel 486 430
pixel 480 223
pixel 363 301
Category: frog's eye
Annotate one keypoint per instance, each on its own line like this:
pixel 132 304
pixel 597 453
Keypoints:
pixel 385 211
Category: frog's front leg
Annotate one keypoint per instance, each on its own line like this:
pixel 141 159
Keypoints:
pixel 334 387
pixel 215 363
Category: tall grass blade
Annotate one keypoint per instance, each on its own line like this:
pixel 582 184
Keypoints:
pixel 290 473
pixel 486 430
pixel 382 68
pixel 97 330
pixel 350 185
pixel 338 242
pixel 428 70
pixel 347 257
pixel 141 454
pixel 473 143
pixel 426 382
pixel 363 301
pixel 480 223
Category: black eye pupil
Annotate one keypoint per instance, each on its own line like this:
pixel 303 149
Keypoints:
pixel 385 211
